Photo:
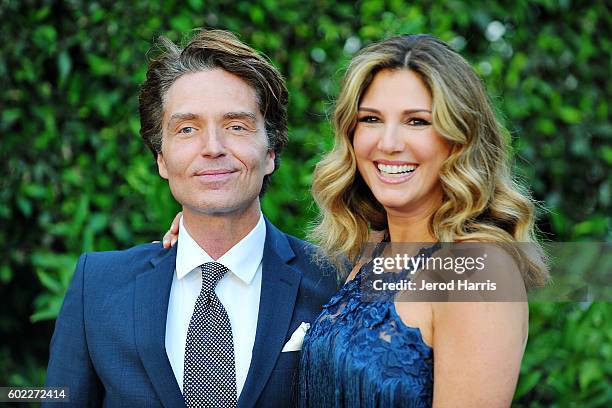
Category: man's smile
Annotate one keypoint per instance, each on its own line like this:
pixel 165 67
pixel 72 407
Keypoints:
pixel 215 175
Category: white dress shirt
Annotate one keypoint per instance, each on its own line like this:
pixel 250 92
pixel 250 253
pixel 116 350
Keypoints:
pixel 238 291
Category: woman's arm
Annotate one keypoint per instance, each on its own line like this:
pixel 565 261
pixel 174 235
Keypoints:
pixel 478 347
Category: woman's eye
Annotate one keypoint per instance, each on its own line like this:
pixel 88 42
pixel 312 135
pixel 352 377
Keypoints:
pixel 418 122
pixel 369 119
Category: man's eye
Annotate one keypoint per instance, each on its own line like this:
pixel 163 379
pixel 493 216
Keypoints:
pixel 369 119
pixel 186 130
pixel 418 122
pixel 238 128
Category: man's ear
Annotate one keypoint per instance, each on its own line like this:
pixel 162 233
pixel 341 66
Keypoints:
pixel 161 166
pixel 271 155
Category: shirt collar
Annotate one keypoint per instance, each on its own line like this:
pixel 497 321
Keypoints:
pixel 242 259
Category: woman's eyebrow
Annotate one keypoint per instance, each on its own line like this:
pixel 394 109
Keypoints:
pixel 407 111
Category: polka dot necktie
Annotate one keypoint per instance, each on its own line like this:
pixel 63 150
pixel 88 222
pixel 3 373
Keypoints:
pixel 209 378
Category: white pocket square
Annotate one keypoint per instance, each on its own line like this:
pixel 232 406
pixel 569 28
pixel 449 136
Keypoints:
pixel 297 338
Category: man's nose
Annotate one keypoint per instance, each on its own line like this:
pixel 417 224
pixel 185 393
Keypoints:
pixel 213 143
pixel 390 141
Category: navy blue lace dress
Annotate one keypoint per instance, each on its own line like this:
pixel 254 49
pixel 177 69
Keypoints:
pixel 360 354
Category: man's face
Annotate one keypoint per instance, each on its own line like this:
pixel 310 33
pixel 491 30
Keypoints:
pixel 214 148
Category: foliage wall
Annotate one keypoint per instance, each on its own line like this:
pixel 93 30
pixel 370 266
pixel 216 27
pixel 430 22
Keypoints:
pixel 76 177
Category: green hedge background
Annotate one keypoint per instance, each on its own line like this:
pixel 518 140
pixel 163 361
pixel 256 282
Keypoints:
pixel 76 176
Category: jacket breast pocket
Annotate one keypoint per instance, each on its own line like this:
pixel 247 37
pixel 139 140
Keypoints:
pixel 288 360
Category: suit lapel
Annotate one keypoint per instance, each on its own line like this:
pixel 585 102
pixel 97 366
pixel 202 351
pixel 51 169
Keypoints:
pixel 152 293
pixel 279 289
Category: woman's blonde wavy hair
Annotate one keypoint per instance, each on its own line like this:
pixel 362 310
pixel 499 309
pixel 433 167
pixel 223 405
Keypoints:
pixel 481 201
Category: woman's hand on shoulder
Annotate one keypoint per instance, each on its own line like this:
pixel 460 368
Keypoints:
pixel 171 235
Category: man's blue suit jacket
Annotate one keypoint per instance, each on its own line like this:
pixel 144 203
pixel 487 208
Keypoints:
pixel 109 340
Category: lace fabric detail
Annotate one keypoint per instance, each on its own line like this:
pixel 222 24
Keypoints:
pixel 360 354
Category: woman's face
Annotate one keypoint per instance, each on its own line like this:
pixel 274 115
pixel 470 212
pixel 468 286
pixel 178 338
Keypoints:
pixel 399 154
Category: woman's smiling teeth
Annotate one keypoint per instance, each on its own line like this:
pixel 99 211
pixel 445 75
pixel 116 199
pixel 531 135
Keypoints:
pixel 388 170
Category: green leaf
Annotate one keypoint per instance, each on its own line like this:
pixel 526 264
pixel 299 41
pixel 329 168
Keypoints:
pixel 53 261
pixel 6 274
pixel 44 36
pixel 570 115
pixel 49 282
pixel 9 116
pixel 25 206
pixel 64 64
pixel 590 371
pixel 100 66
pixel 181 23
pixel 196 5
pixel 526 383
pixel 605 153
pixel 49 313
pixel 97 222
